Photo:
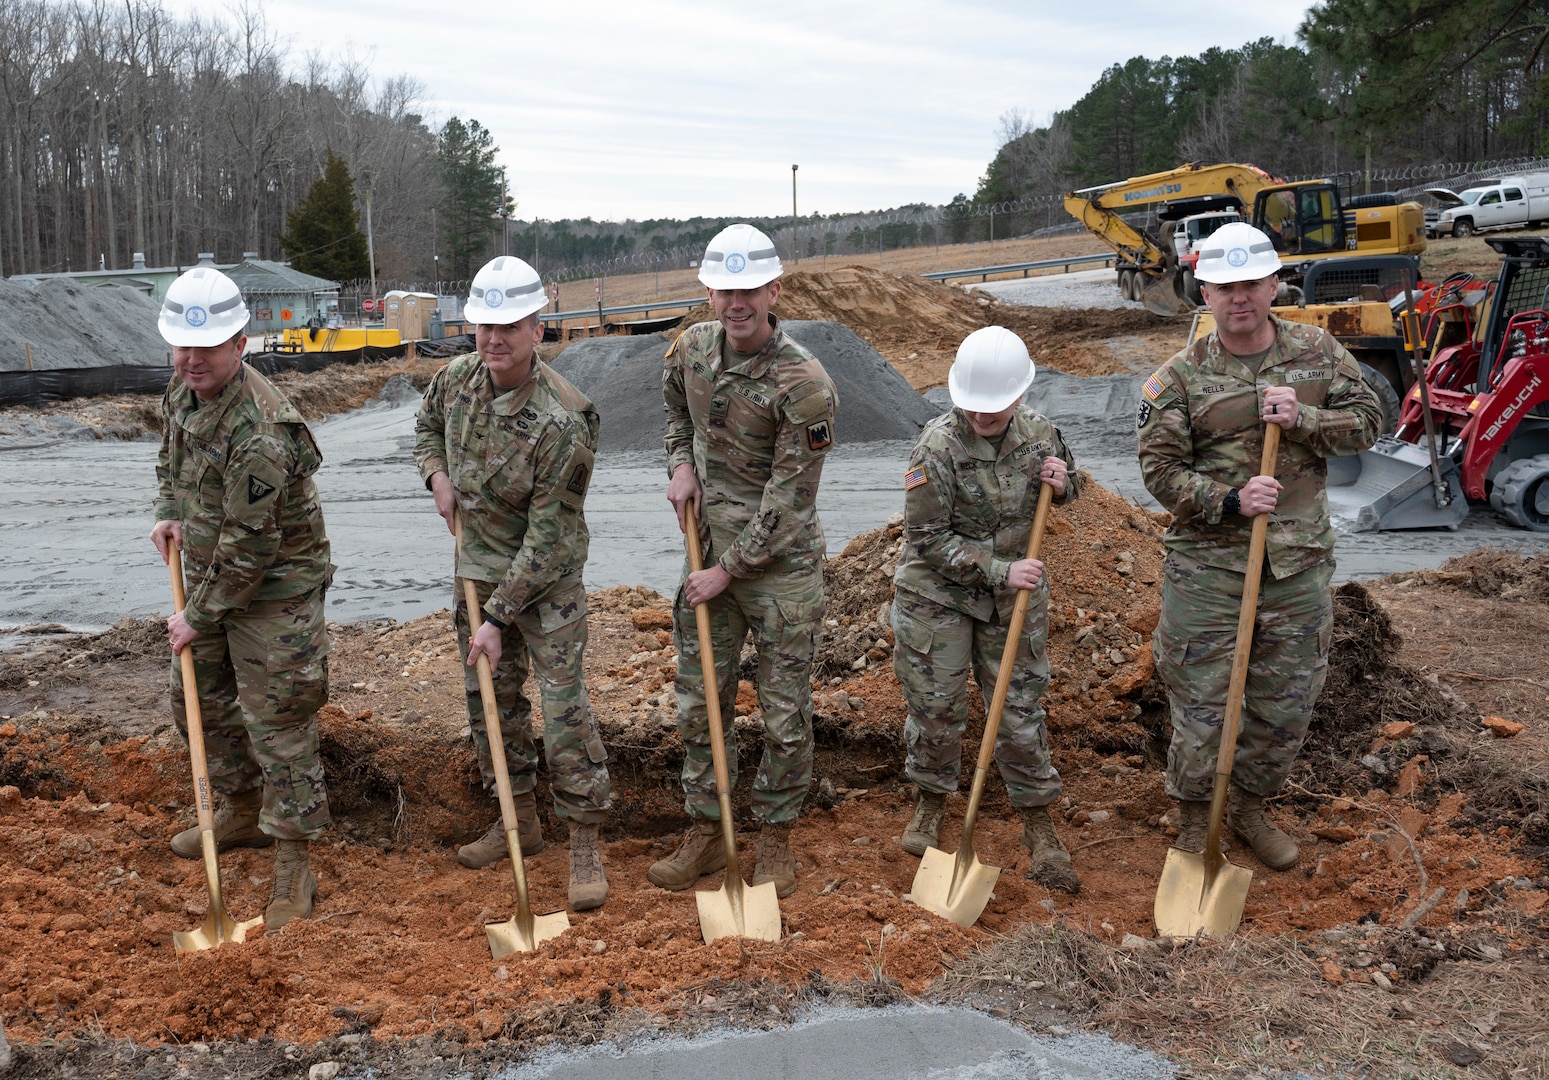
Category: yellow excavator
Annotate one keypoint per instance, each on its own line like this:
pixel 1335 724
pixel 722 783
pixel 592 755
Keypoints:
pixel 1306 219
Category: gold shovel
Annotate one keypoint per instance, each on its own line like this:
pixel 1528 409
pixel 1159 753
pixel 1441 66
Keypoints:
pixel 735 909
pixel 524 931
pixel 958 886
pixel 1202 892
pixel 218 927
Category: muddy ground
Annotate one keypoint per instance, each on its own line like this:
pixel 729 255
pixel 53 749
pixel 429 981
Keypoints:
pixel 1409 941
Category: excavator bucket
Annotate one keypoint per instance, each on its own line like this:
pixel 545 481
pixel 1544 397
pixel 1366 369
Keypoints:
pixel 1391 486
pixel 1164 296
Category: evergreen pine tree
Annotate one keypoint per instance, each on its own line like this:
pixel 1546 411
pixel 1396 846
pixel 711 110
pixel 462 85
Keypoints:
pixel 324 236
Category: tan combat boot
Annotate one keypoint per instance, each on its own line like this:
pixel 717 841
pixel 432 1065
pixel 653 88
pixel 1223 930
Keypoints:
pixel 294 886
pixel 1051 862
pixel 1193 824
pixel 236 825
pixel 775 862
pixel 1245 814
pixel 924 828
pixel 588 882
pixel 491 847
pixel 700 853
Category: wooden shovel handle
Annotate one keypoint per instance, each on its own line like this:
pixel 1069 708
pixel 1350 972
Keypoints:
pixel 194 718
pixel 1013 634
pixel 711 679
pixel 1246 617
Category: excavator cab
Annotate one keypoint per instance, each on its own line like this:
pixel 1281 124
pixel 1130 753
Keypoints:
pixel 1301 219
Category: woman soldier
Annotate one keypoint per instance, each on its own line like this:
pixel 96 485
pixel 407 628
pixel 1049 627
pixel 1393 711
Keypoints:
pixel 969 496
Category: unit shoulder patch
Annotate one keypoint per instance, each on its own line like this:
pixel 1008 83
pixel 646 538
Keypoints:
pixel 820 435
pixel 258 490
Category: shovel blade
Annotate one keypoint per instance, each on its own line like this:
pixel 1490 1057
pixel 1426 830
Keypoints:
pixel 218 929
pixel 958 895
pixel 510 936
pixel 1191 900
pixel 756 917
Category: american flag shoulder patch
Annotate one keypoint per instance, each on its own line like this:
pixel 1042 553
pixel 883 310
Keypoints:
pixel 1153 388
pixel 914 478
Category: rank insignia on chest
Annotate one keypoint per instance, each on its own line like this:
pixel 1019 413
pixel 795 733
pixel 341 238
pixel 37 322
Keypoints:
pixel 819 435
pixel 914 478
pixel 1153 388
pixel 258 490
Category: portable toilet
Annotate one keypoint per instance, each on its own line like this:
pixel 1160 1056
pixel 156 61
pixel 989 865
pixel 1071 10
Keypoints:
pixel 409 313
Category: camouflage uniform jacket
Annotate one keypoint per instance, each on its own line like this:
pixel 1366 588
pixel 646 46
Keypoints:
pixel 1201 436
pixel 520 460
pixel 756 434
pixel 968 509
pixel 237 472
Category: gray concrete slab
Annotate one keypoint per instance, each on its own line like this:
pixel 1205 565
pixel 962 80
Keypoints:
pixel 901 1043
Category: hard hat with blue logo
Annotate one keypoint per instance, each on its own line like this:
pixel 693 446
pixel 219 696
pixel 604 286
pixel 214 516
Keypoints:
pixel 739 257
pixel 505 290
pixel 1236 252
pixel 203 307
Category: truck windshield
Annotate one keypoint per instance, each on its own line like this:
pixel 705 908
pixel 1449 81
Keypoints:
pixel 1472 196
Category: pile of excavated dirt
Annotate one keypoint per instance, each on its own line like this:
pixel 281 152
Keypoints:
pixel 623 377
pixel 918 324
pixel 93 780
pixel 73 326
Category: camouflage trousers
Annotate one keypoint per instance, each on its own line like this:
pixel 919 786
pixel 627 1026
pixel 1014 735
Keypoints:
pixel 782 612
pixel 262 677
pixel 549 639
pixel 1194 642
pixel 933 650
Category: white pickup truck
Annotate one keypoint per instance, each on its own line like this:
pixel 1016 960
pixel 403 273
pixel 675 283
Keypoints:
pixel 1504 203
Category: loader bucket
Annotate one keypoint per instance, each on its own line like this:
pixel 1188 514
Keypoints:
pixel 1164 296
pixel 1390 487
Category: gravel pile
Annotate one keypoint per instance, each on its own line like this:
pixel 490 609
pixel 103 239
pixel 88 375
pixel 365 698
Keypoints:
pixel 74 326
pixel 623 376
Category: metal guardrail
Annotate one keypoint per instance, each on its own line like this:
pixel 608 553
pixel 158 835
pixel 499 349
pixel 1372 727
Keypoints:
pixel 983 272
pixel 622 309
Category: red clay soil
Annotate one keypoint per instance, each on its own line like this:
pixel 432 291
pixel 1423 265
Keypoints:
pixel 93 781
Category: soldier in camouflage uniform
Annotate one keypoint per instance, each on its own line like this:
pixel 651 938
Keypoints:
pixel 969 495
pixel 1201 429
pixel 235 493
pixel 750 418
pixel 505 442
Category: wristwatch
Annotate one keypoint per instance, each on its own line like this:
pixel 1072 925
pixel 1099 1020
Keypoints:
pixel 1232 504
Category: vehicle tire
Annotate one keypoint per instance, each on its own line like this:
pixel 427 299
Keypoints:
pixel 1520 493
pixel 1387 396
pixel 1125 277
pixel 1462 228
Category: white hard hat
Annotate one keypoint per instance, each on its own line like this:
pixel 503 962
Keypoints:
pixel 739 257
pixel 203 307
pixel 505 290
pixel 991 372
pixel 1236 252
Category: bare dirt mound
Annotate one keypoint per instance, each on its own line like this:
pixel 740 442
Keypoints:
pixel 918 324
pixel 93 780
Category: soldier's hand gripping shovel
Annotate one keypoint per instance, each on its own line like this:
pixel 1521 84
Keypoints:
pixel 218 927
pixel 736 909
pixel 958 886
pixel 524 931
pixel 1200 892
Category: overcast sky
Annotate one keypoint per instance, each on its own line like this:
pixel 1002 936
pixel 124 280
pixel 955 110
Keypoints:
pixel 675 108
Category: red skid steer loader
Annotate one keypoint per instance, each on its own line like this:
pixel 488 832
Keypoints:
pixel 1476 429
